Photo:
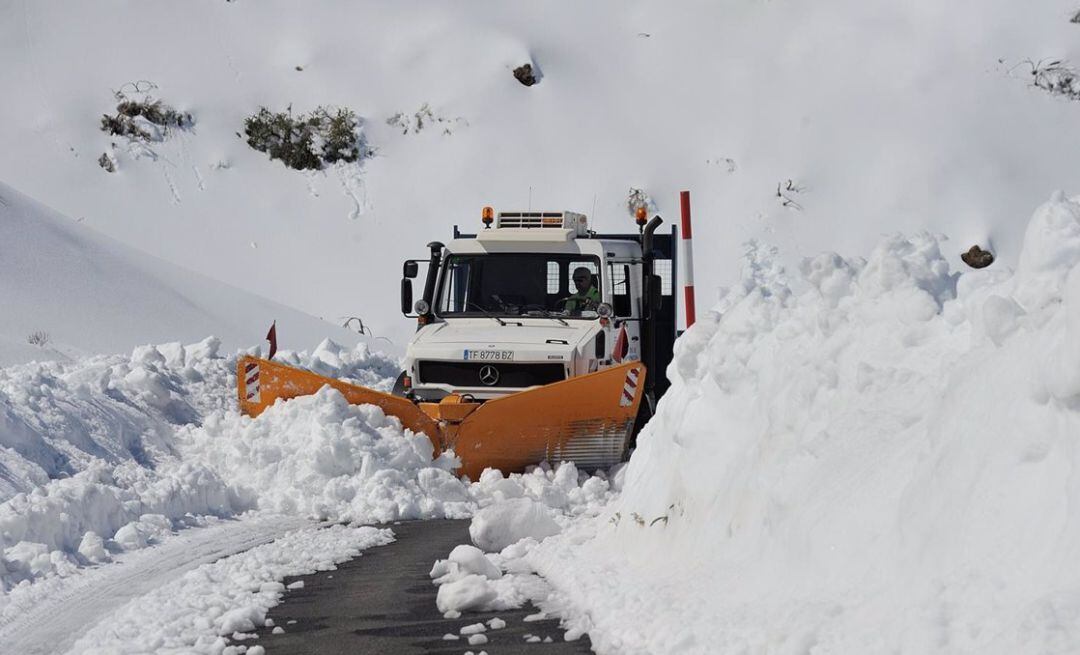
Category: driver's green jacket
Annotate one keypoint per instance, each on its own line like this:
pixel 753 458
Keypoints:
pixel 581 301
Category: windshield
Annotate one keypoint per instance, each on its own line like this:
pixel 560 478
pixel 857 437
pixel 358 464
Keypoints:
pixel 520 284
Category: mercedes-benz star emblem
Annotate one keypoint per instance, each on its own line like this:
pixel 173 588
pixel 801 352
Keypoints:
pixel 489 375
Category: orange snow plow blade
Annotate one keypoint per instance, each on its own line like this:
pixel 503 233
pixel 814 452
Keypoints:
pixel 586 420
pixel 260 382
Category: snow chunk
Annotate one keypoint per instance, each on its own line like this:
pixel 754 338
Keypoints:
pixel 92 547
pixel 500 525
pixel 470 592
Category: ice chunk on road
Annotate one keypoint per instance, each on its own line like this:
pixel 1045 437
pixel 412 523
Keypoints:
pixel 500 525
pixel 92 547
pixel 472 591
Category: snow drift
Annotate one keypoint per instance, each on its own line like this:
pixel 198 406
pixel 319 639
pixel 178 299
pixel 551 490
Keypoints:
pixel 862 456
pixel 109 454
pixel 81 292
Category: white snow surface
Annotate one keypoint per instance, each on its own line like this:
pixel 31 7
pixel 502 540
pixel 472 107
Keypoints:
pixel 100 459
pixel 85 293
pixel 884 115
pixel 862 455
pixel 113 466
pixel 47 617
pixel 198 612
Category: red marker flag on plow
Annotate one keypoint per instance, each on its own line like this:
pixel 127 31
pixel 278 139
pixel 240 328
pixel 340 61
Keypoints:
pixel 271 336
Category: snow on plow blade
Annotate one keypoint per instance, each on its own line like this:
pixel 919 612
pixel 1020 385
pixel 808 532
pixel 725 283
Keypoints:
pixel 587 419
pixel 260 382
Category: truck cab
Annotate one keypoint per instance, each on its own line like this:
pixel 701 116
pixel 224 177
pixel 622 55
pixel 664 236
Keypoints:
pixel 501 312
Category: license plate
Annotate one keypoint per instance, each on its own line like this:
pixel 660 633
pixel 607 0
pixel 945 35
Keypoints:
pixel 489 355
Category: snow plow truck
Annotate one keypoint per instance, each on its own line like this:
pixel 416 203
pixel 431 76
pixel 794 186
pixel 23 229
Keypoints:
pixel 537 340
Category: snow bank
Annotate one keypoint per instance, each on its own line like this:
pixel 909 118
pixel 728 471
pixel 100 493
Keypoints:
pixel 319 456
pixel 199 612
pixel 866 456
pixel 102 455
pixel 114 454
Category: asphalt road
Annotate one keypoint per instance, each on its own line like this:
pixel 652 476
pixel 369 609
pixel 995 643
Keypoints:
pixel 384 602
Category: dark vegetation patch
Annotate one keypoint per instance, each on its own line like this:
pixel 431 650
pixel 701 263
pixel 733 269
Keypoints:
pixel 310 141
pixel 139 115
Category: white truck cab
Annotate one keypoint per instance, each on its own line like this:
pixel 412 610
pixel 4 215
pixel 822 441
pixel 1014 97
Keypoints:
pixel 501 312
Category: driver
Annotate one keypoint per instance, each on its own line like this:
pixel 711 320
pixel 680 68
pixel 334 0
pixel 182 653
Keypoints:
pixel 587 296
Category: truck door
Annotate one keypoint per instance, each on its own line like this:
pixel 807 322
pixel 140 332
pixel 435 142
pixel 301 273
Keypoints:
pixel 623 288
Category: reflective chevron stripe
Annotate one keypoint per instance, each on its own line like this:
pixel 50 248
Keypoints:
pixel 629 388
pixel 251 383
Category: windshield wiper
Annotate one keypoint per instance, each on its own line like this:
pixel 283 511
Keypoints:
pixel 546 314
pixel 486 313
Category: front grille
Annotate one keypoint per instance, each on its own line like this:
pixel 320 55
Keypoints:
pixel 467 374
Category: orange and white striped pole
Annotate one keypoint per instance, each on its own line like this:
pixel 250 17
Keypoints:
pixel 687 259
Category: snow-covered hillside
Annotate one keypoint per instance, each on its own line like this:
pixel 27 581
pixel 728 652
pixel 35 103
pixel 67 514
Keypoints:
pixel 68 291
pixel 883 116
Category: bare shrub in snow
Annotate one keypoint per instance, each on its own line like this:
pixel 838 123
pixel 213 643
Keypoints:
pixel 1055 76
pixel 787 191
pixel 140 116
pixel 307 141
pixel 38 338
pixel 424 117
pixel 107 162
pixel 1075 17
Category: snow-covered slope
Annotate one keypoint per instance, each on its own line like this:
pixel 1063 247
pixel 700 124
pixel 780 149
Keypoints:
pixel 860 456
pixel 82 292
pixel 885 116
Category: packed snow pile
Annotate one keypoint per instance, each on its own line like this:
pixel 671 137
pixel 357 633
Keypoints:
pixel 319 456
pixel 68 291
pixel 102 456
pixel 869 456
pixel 109 455
pixel 518 512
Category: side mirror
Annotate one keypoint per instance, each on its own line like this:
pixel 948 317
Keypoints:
pixel 601 345
pixel 410 270
pixel 406 296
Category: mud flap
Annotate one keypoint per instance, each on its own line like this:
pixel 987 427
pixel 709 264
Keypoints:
pixel 260 382
pixel 587 420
